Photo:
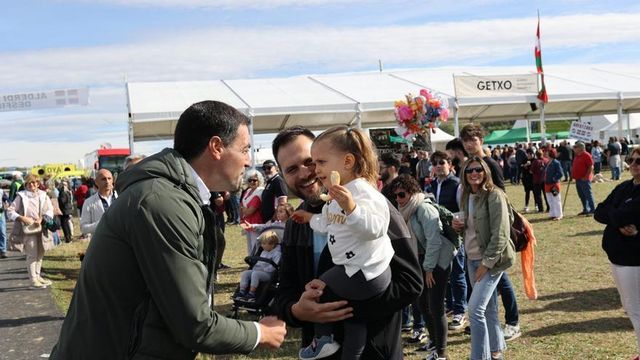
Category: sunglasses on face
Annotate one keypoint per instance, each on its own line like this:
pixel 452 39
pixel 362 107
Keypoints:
pixel 401 195
pixel 635 161
pixel 32 183
pixel 439 162
pixel 252 180
pixel 478 170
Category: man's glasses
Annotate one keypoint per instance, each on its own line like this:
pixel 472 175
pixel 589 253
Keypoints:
pixel 635 161
pixel 439 162
pixel 401 195
pixel 478 170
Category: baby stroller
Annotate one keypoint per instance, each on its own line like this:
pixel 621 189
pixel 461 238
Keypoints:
pixel 265 293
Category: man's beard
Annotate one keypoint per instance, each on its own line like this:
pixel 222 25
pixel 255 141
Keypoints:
pixel 313 199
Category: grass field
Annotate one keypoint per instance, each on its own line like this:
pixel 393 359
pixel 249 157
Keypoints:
pixel 577 315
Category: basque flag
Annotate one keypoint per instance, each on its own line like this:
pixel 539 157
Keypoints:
pixel 542 94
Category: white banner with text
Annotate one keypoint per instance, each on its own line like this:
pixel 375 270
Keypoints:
pixel 581 131
pixel 495 85
pixel 44 99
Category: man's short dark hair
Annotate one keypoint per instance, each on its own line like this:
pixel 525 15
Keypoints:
pixel 439 155
pixel 203 120
pixel 286 136
pixel 455 144
pixel 471 130
pixel 390 159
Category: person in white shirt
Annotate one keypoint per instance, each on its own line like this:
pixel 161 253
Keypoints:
pixel 96 205
pixel 357 234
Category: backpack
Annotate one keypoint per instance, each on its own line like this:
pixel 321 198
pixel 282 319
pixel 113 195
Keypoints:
pixel 519 235
pixel 446 218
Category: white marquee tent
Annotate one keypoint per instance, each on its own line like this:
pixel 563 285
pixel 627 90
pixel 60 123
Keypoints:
pixel 366 99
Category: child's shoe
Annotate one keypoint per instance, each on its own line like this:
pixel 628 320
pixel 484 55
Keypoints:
pixel 240 294
pixel 250 297
pixel 321 347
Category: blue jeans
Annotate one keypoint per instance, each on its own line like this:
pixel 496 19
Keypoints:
pixel 597 167
pixel 566 169
pixel 586 196
pixel 413 310
pixel 3 233
pixel 486 333
pixel 615 173
pixel 508 295
pixel 457 290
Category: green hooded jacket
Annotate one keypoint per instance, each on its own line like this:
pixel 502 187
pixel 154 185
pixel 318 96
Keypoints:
pixel 142 289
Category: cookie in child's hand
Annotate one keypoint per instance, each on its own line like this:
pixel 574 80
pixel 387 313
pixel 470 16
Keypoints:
pixel 335 178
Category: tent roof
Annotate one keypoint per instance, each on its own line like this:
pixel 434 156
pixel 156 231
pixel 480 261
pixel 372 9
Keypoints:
pixel 321 101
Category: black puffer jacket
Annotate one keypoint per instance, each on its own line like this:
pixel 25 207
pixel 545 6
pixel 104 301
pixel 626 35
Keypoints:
pixel 619 209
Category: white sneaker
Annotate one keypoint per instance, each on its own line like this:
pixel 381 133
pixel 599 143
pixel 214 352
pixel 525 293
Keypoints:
pixel 511 332
pixel 36 284
pixel 457 322
pixel 526 209
pixel 417 336
pixel 434 356
pixel 45 282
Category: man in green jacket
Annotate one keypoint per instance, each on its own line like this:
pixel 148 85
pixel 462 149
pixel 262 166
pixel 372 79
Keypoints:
pixel 144 290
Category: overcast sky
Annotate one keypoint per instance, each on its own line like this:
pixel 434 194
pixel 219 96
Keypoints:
pixel 98 43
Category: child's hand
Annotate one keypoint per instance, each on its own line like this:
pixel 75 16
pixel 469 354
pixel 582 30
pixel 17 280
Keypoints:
pixel 246 226
pixel 301 216
pixel 315 284
pixel 343 196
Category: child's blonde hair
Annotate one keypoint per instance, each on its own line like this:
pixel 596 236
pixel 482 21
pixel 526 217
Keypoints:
pixel 288 208
pixel 269 237
pixel 356 142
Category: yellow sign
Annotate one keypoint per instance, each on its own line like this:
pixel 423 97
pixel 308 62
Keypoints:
pixel 52 169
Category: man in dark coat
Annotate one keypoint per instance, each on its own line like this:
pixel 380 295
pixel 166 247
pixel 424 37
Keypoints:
pixel 144 290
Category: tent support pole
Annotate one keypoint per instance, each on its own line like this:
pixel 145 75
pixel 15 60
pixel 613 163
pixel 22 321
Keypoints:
pixel 359 116
pixel 528 131
pixel 456 121
pixel 620 98
pixel 251 115
pixel 130 125
pixel 543 127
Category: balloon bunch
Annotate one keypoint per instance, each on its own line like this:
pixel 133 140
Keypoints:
pixel 416 115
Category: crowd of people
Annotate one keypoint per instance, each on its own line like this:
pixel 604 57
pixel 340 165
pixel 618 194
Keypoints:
pixel 357 265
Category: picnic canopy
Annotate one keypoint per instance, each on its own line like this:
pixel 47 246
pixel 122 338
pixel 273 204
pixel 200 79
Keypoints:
pixel 366 99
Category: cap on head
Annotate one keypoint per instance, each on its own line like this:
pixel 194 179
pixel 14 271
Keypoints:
pixel 268 163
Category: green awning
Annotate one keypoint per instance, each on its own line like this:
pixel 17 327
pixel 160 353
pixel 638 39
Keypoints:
pixel 518 135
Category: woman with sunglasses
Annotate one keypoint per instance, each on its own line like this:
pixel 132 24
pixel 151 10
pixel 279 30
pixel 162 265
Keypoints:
pixel 489 251
pixel 620 240
pixel 250 203
pixel 28 209
pixel 435 253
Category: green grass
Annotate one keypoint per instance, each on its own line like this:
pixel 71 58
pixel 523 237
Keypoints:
pixel 577 315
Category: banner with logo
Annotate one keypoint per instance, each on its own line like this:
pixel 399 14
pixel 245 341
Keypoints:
pixel 495 85
pixel 43 99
